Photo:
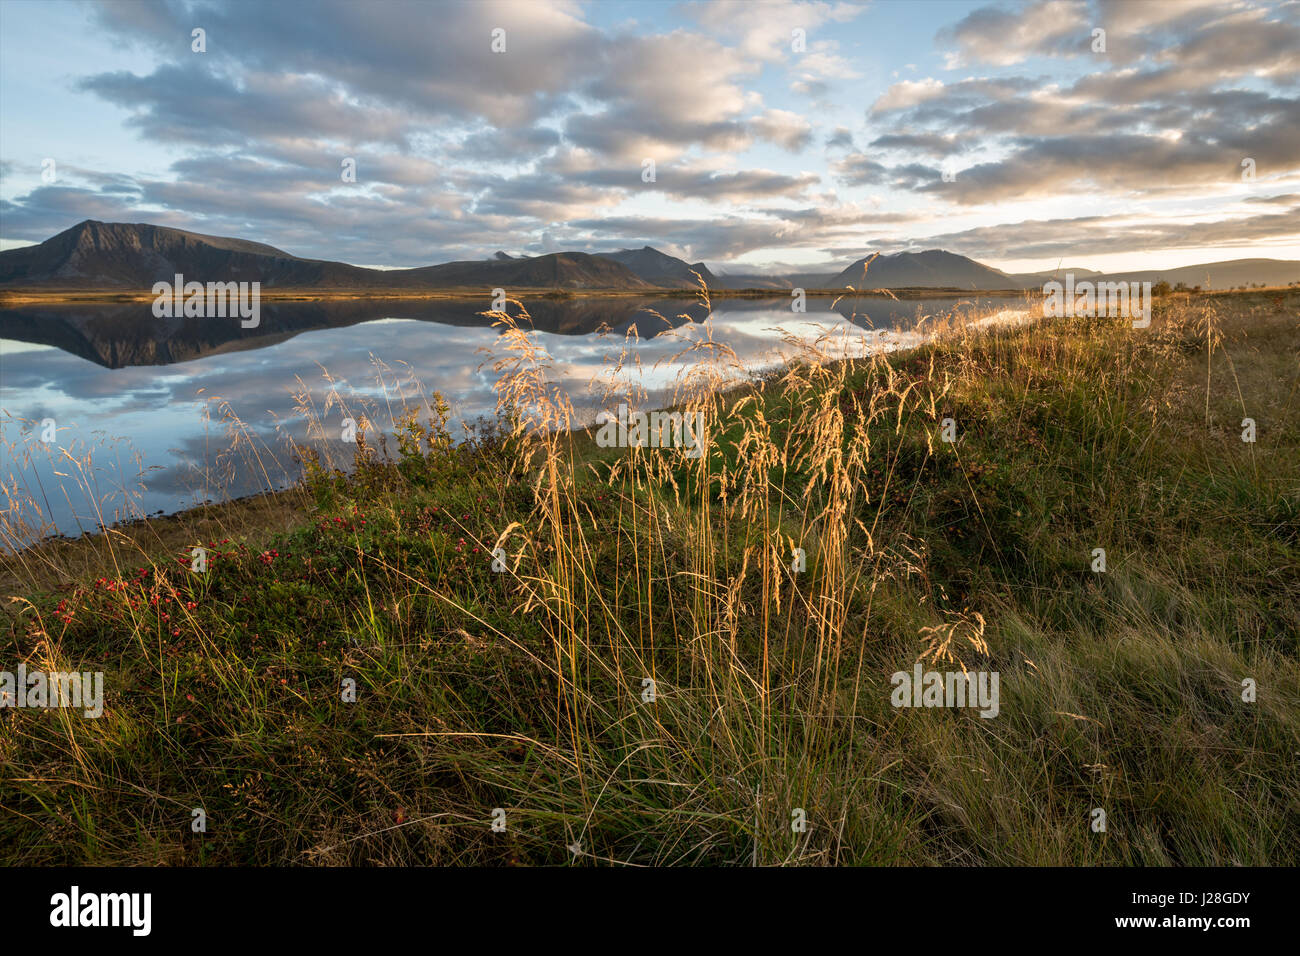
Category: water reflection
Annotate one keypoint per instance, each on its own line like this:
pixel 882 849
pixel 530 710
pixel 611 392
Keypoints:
pixel 144 407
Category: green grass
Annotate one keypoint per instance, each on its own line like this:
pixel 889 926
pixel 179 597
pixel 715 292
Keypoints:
pixel 522 690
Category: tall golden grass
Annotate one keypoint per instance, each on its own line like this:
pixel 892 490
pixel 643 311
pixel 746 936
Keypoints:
pixel 687 696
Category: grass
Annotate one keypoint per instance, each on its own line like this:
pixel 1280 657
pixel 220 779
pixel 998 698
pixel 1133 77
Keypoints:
pixel 631 571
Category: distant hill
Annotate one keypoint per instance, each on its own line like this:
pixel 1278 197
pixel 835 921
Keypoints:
pixel 937 269
pixel 558 270
pixel 1220 275
pixel 732 280
pixel 662 270
pixel 95 254
pixel 1034 279
pixel 932 269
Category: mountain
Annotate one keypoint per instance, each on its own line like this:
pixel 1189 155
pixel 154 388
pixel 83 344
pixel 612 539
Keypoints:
pixel 134 256
pixel 1034 279
pixel 932 269
pixel 1219 275
pixel 936 268
pixel 558 270
pixel 662 270
pixel 740 280
pixel 97 254
pixel 669 272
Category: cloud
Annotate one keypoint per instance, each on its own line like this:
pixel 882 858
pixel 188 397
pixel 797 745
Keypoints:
pixel 1179 115
pixel 767 33
pixel 858 169
pixel 460 150
pixel 662 94
pixel 1111 234
pixel 788 130
pixel 908 93
pixel 841 138
pixel 931 144
pixel 435 59
pixel 178 105
pixel 1005 36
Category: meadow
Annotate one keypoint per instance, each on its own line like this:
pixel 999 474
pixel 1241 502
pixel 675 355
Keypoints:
pixel 648 680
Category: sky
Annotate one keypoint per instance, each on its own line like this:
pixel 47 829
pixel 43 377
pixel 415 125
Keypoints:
pixel 783 135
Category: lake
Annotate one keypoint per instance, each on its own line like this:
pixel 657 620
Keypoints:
pixel 154 415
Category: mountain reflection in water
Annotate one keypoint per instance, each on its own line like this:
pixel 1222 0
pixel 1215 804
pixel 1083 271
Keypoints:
pixel 145 398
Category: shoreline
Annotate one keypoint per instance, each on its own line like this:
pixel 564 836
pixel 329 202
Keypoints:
pixel 72 296
pixel 175 522
pixel 21 296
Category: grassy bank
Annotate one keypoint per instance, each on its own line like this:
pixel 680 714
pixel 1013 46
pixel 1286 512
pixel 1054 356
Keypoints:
pixel 649 682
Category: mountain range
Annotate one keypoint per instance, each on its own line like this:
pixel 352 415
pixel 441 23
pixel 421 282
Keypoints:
pixel 96 255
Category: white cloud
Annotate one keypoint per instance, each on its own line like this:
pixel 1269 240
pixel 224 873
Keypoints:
pixel 788 130
pixel 907 94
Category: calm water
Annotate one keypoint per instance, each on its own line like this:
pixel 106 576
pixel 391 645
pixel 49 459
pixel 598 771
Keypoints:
pixel 146 401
